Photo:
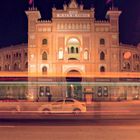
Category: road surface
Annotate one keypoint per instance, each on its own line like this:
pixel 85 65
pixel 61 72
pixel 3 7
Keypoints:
pixel 70 130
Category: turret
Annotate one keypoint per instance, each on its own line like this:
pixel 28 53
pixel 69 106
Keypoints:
pixel 33 15
pixel 113 15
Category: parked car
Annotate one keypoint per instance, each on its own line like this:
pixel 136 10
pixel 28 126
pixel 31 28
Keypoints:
pixel 64 106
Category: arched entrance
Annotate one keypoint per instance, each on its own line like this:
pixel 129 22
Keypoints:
pixel 74 87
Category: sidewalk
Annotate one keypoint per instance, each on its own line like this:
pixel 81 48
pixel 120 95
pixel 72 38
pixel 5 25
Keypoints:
pixel 125 109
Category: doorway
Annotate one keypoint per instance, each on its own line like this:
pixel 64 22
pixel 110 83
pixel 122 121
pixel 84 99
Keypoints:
pixel 74 87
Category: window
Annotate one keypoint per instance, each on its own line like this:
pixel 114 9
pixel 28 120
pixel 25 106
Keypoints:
pixel 128 66
pixel 99 92
pixel 60 101
pixel 26 65
pixel 102 69
pixel 102 56
pixel 25 54
pixel 105 91
pixel 16 67
pixel 47 89
pixel 138 67
pixel 7 56
pixel 102 91
pixel 69 101
pixel 43 91
pixel 44 70
pixel 60 54
pixel 44 42
pixel 17 54
pixel 73 45
pixel 102 41
pixel 86 55
pixel 77 51
pixel 72 50
pixel 44 56
pixel 7 67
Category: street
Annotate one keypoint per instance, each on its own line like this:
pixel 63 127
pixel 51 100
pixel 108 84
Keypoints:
pixel 69 130
pixel 95 110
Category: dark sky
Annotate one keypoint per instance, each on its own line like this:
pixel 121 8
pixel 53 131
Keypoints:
pixel 13 21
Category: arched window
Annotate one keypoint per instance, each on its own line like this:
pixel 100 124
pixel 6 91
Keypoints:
pixel 102 69
pixel 60 54
pixel 44 56
pixel 73 45
pixel 26 65
pixel 44 70
pixel 102 56
pixel 99 92
pixel 16 54
pixel 44 42
pixel 105 91
pixel 77 51
pixel 5 67
pixel 102 41
pixel 72 49
pixel 128 66
pixel 138 67
pixel 25 54
pixel 15 66
pixel 86 56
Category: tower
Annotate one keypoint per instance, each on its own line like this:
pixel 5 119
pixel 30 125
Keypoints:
pixel 33 15
pixel 113 15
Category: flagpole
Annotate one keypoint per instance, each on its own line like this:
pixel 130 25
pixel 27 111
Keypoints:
pixel 112 4
pixel 33 4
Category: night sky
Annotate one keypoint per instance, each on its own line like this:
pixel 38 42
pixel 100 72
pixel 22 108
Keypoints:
pixel 13 21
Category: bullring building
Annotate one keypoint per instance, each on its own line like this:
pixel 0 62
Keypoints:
pixel 74 47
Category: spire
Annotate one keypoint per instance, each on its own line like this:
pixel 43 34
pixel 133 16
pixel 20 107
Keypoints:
pixel 65 6
pixel 112 3
pixel 73 4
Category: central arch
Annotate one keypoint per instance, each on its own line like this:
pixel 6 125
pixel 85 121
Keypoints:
pixel 74 88
pixel 73 46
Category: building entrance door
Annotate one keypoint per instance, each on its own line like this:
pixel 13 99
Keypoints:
pixel 74 87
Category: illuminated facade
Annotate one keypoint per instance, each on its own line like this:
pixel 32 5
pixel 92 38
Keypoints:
pixel 14 58
pixel 75 43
